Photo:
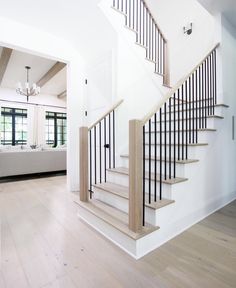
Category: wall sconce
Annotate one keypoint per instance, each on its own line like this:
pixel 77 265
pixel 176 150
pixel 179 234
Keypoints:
pixel 188 29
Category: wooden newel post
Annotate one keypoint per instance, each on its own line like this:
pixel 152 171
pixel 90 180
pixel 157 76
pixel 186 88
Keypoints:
pixel 166 79
pixel 135 175
pixel 83 163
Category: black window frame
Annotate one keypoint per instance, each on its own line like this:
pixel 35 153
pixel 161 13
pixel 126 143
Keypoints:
pixel 13 113
pixel 56 116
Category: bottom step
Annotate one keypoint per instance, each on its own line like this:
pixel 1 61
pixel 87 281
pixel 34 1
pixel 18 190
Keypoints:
pixel 115 218
pixel 113 224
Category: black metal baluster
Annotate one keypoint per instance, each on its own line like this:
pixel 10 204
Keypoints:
pixel 114 141
pixel 90 164
pixel 210 90
pixel 149 161
pixel 95 155
pixel 170 138
pixel 215 67
pixel 193 107
pixel 178 128
pixel 165 137
pixel 205 83
pixel 105 152
pixel 155 157
pixel 174 139
pixel 109 138
pixel 197 110
pixel 208 100
pixel 143 25
pixel 100 151
pixel 186 115
pixel 144 174
pixel 203 97
pixel 190 108
pixel 212 86
pixel 140 22
pixel 160 154
pixel 200 97
pixel 182 94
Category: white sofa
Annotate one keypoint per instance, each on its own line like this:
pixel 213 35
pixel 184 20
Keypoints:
pixel 22 162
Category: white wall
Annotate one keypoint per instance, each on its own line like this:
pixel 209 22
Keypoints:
pixel 99 90
pixel 228 51
pixel 184 51
pixel 35 113
pixel 25 38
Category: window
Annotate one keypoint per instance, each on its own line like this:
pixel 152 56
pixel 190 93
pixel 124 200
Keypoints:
pixel 13 126
pixel 55 128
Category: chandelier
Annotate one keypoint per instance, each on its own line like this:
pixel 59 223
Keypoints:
pixel 27 90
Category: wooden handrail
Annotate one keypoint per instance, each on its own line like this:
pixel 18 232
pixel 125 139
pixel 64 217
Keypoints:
pixel 174 89
pixel 106 114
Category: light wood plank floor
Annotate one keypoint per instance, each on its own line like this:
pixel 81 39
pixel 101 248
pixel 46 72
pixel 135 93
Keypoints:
pixel 44 244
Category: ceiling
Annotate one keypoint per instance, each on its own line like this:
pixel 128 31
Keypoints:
pixel 227 7
pixel 80 22
pixel 16 72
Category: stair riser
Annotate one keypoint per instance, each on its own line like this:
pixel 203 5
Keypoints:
pixel 211 123
pixel 123 205
pixel 200 112
pixel 193 151
pixel 202 137
pixel 122 179
pixel 218 111
pixel 180 168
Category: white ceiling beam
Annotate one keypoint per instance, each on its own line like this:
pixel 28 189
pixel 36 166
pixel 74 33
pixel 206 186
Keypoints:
pixel 62 95
pixel 4 60
pixel 51 73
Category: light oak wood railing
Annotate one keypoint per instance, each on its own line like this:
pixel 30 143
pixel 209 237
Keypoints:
pixel 92 165
pixel 189 103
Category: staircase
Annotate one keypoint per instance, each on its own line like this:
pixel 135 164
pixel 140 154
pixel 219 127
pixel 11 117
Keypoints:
pixel 142 203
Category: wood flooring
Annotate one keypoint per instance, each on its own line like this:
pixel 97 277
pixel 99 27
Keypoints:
pixel 44 244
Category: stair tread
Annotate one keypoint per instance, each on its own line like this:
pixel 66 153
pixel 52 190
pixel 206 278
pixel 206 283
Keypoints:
pixel 125 171
pixel 186 161
pixel 115 218
pixel 123 191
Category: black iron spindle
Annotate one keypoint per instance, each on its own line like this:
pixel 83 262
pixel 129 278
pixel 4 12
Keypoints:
pixel 105 152
pixel 155 157
pixel 170 138
pixel 178 127
pixel 186 122
pixel 95 155
pixel 114 140
pixel 160 196
pixel 165 134
pixel 149 161
pixel 144 174
pixel 109 138
pixel 90 166
pixel 100 151
pixel 174 174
